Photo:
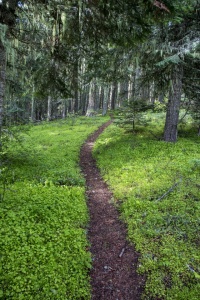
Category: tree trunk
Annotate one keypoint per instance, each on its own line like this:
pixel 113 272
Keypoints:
pixel 33 105
pixel 96 97
pixel 114 95
pixel 136 92
pixel 173 107
pixel 129 91
pixel 199 131
pixel 145 93
pixel 101 97
pixel 90 108
pixel 84 99
pixel 63 108
pixel 105 101
pixel 152 93
pixel 49 109
pixel 75 86
pixel 2 80
pixel 161 98
pixel 76 101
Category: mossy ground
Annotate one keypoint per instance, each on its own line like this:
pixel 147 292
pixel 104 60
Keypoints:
pixel 156 185
pixel 43 212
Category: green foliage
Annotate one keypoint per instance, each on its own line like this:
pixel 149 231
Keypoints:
pixel 43 224
pixel 42 243
pixel 159 107
pixel 132 113
pixel 50 152
pixel 156 185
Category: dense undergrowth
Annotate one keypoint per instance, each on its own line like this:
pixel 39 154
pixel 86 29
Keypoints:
pixel 157 185
pixel 43 212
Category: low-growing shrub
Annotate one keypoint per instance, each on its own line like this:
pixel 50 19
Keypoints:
pixel 43 213
pixel 43 243
pixel 156 185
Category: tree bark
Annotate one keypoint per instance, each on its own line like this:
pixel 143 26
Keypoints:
pixel 33 105
pixel 91 101
pixel 63 108
pixel 75 86
pixel 136 93
pixel 105 101
pixel 161 98
pixel 2 79
pixel 173 107
pixel 96 97
pixel 84 99
pixel 114 95
pixel 101 97
pixel 49 109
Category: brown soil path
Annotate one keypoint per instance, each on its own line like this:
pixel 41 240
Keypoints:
pixel 113 276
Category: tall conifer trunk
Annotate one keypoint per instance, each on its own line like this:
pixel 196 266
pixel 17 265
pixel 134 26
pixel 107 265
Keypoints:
pixel 91 101
pixel 173 107
pixel 2 79
pixel 101 97
pixel 114 95
pixel 33 105
pixel 105 101
pixel 63 108
pixel 75 85
pixel 49 109
pixel 96 97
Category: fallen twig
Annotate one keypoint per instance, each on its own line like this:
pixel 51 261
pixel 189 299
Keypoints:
pixel 158 138
pixel 122 252
pixel 167 192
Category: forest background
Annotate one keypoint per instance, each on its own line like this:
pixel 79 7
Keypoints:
pixel 130 59
pixel 61 57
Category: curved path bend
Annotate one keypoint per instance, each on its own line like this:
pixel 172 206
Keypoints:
pixel 113 275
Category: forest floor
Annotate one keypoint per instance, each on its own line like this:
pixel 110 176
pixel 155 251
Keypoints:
pixel 113 274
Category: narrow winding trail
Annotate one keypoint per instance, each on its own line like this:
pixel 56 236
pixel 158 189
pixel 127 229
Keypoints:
pixel 113 276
